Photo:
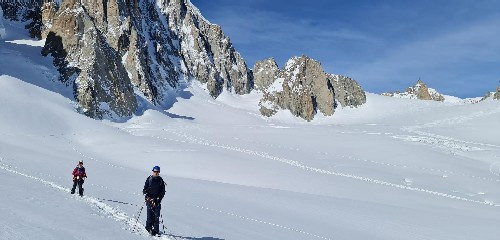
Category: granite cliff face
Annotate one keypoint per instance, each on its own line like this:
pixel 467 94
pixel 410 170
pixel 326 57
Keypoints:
pixel 208 54
pixel 109 48
pixel 419 91
pixel 87 61
pixel 304 88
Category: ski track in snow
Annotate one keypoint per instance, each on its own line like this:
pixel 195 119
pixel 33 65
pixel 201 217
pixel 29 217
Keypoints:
pixel 447 173
pixel 95 203
pixel 293 163
pixel 86 157
pixel 91 158
pixel 461 119
pixel 120 216
pixel 261 221
pixel 440 171
pixel 450 139
pixel 134 225
pixel 495 167
pixel 10 233
pixel 41 174
pixel 452 145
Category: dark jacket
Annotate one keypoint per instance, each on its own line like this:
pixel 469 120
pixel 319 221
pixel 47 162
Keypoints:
pixel 79 172
pixel 154 187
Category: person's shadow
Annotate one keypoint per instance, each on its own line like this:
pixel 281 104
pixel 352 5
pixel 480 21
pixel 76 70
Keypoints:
pixel 192 238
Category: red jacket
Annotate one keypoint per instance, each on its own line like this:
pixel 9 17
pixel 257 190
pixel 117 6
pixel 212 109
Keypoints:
pixel 79 172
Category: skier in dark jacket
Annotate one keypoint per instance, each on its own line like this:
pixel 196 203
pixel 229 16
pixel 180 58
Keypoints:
pixel 79 176
pixel 154 190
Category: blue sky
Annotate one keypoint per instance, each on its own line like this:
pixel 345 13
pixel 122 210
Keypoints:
pixel 454 46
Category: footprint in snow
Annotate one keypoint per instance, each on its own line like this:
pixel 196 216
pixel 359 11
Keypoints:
pixel 408 181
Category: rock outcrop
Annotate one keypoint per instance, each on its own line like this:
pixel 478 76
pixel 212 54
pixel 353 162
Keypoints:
pixel 264 73
pixel 108 48
pixel 419 91
pixel 304 88
pixel 497 94
pixel 347 91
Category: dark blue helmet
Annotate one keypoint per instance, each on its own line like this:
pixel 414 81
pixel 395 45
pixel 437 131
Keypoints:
pixel 156 169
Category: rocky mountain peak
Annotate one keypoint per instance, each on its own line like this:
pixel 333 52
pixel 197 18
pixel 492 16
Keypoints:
pixel 418 91
pixel 497 94
pixel 302 87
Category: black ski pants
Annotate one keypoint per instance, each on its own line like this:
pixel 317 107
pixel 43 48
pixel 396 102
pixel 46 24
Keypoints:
pixel 78 182
pixel 153 219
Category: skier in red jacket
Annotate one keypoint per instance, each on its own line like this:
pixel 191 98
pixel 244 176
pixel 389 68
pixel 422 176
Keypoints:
pixel 79 176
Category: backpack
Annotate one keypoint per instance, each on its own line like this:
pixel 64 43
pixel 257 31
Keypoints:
pixel 150 179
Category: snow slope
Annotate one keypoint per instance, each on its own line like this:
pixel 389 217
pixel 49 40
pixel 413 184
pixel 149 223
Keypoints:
pixel 391 169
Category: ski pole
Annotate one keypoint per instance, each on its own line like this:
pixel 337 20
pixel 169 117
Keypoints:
pixel 137 219
pixel 165 229
pixel 163 224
